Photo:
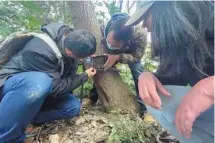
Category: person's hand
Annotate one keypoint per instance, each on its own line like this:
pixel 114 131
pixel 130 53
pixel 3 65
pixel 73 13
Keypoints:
pixel 91 72
pixel 148 86
pixel 199 99
pixel 112 59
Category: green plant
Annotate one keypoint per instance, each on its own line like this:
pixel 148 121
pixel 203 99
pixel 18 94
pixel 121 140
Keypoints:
pixel 147 62
pixel 112 7
pixel 19 16
pixel 133 131
pixel 85 88
pixel 126 75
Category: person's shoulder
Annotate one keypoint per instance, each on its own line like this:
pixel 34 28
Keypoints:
pixel 139 36
pixel 39 47
pixel 139 32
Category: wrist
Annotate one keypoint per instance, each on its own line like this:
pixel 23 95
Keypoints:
pixel 209 83
pixel 86 73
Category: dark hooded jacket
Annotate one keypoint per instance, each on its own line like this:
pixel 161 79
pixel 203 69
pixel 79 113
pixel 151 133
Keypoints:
pixel 37 55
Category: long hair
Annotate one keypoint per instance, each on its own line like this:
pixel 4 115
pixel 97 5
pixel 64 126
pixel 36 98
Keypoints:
pixel 178 35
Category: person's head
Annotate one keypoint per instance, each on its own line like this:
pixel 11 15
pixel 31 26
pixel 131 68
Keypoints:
pixel 79 44
pixel 178 32
pixel 143 13
pixel 117 34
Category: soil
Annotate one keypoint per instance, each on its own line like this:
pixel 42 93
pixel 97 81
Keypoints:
pixel 92 126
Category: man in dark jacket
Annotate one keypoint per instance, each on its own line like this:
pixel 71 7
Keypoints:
pixel 36 85
pixel 125 45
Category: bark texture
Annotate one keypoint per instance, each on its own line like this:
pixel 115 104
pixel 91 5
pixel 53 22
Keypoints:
pixel 113 92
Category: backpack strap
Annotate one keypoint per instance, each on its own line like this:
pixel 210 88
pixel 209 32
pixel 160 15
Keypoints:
pixel 51 43
pixel 48 40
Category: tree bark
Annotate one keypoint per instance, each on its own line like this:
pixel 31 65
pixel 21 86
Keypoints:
pixel 113 92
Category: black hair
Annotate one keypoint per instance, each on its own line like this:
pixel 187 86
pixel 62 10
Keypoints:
pixel 81 42
pixel 121 32
pixel 178 35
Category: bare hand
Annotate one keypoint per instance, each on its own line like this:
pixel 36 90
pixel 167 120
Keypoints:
pixel 112 59
pixel 198 100
pixel 148 85
pixel 91 72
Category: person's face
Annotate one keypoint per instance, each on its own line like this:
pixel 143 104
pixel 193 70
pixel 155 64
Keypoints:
pixel 70 54
pixel 147 21
pixel 113 43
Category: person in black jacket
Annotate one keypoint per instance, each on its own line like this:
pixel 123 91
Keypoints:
pixel 36 86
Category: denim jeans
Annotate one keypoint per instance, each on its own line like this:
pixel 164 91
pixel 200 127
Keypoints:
pixel 136 69
pixel 25 99
pixel 203 128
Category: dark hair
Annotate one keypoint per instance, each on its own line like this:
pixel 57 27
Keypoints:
pixel 81 42
pixel 121 33
pixel 178 35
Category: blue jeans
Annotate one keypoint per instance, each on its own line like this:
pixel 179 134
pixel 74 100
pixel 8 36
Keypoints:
pixel 25 99
pixel 203 128
pixel 136 69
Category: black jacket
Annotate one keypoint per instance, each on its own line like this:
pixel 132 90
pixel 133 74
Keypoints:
pixel 38 56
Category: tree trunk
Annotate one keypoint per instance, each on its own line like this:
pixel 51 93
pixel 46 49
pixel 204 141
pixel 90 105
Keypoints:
pixel 113 92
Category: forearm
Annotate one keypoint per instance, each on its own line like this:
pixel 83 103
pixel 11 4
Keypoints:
pixel 66 85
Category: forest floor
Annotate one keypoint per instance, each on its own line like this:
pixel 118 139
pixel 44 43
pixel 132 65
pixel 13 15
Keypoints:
pixel 95 126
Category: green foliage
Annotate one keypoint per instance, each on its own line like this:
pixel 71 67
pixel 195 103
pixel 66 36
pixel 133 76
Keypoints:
pixel 19 16
pixel 83 90
pixel 55 11
pixel 30 15
pixel 147 62
pixel 112 7
pixel 133 131
pixel 127 76
pixel 100 13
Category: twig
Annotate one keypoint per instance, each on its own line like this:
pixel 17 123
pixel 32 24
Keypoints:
pixel 39 132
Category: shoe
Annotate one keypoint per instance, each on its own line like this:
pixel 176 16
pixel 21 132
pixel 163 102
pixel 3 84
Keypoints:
pixel 31 132
pixel 86 102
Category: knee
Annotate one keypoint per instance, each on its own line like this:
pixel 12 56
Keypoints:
pixel 74 108
pixel 77 108
pixel 37 85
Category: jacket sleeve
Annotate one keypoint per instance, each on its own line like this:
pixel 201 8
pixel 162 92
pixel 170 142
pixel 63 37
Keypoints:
pixel 129 58
pixel 34 61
